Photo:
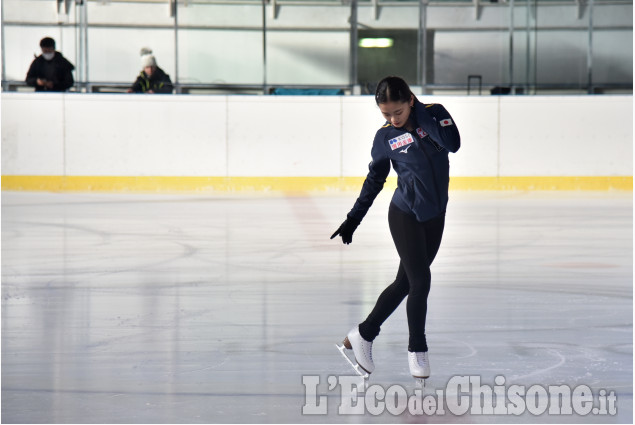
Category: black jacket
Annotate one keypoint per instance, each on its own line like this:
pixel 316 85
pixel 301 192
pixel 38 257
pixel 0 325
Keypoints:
pixel 159 82
pixel 58 70
pixel 420 159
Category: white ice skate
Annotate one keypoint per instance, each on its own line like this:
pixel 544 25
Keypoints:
pixel 362 360
pixel 419 366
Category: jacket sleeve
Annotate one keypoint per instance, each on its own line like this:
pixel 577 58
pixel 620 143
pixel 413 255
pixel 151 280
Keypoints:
pixel 136 86
pixel 165 86
pixel 437 122
pixel 66 76
pixel 378 170
pixel 32 74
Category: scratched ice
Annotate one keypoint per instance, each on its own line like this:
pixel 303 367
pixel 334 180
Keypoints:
pixel 211 308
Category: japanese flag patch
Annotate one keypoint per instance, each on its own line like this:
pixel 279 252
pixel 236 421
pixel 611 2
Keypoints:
pixel 403 140
pixel 446 122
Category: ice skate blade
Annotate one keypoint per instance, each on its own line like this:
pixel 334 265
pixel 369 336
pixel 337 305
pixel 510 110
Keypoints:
pixel 358 369
pixel 420 382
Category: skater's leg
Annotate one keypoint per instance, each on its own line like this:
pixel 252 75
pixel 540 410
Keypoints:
pixel 417 244
pixel 428 242
pixel 434 234
pixel 387 302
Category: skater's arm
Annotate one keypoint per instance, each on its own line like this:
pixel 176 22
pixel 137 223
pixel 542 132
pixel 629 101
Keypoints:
pixel 435 120
pixel 378 170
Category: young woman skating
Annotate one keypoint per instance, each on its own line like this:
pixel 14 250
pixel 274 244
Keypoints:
pixel 416 139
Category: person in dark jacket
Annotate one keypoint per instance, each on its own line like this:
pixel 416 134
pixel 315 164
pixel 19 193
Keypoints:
pixel 152 79
pixel 50 71
pixel 416 140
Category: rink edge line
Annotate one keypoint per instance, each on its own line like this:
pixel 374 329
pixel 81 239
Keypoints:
pixel 295 184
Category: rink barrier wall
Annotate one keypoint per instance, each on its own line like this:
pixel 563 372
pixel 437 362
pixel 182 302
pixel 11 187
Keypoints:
pixel 119 142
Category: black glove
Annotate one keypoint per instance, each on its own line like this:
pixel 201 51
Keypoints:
pixel 346 229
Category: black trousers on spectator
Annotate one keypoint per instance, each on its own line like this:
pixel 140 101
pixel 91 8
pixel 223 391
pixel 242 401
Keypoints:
pixel 417 244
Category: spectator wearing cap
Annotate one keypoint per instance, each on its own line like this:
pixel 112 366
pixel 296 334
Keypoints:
pixel 50 71
pixel 152 79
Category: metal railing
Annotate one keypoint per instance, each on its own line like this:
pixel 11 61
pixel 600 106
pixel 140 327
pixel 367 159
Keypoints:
pixel 84 84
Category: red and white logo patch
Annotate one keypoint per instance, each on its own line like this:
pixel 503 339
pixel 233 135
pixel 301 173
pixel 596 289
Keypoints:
pixel 403 140
pixel 446 122
pixel 421 133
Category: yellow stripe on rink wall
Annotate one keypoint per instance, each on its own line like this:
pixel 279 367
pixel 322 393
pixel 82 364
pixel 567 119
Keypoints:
pixel 542 183
pixel 293 184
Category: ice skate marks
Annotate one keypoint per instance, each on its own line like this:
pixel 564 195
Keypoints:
pixel 358 369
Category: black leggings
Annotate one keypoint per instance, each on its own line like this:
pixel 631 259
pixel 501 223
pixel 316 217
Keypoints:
pixel 417 244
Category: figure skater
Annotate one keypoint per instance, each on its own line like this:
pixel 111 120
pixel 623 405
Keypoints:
pixel 416 139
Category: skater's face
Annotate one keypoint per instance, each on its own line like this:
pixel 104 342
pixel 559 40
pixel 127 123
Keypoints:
pixel 396 113
pixel 149 70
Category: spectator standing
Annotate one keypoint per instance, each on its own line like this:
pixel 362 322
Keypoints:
pixel 50 71
pixel 152 79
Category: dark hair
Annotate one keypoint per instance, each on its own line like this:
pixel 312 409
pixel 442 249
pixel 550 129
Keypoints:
pixel 393 89
pixel 47 42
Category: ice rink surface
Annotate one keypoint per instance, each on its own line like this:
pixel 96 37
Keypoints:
pixel 128 308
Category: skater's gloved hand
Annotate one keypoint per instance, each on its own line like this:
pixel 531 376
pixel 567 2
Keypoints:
pixel 346 229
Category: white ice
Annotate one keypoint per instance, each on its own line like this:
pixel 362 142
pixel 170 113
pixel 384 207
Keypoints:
pixel 199 308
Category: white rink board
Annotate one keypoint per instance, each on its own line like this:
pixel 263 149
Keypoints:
pixel 33 136
pixel 283 136
pixel 582 135
pixel 302 136
pixel 145 137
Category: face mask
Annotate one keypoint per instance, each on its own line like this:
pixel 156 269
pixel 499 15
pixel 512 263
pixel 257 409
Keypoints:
pixel 48 56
